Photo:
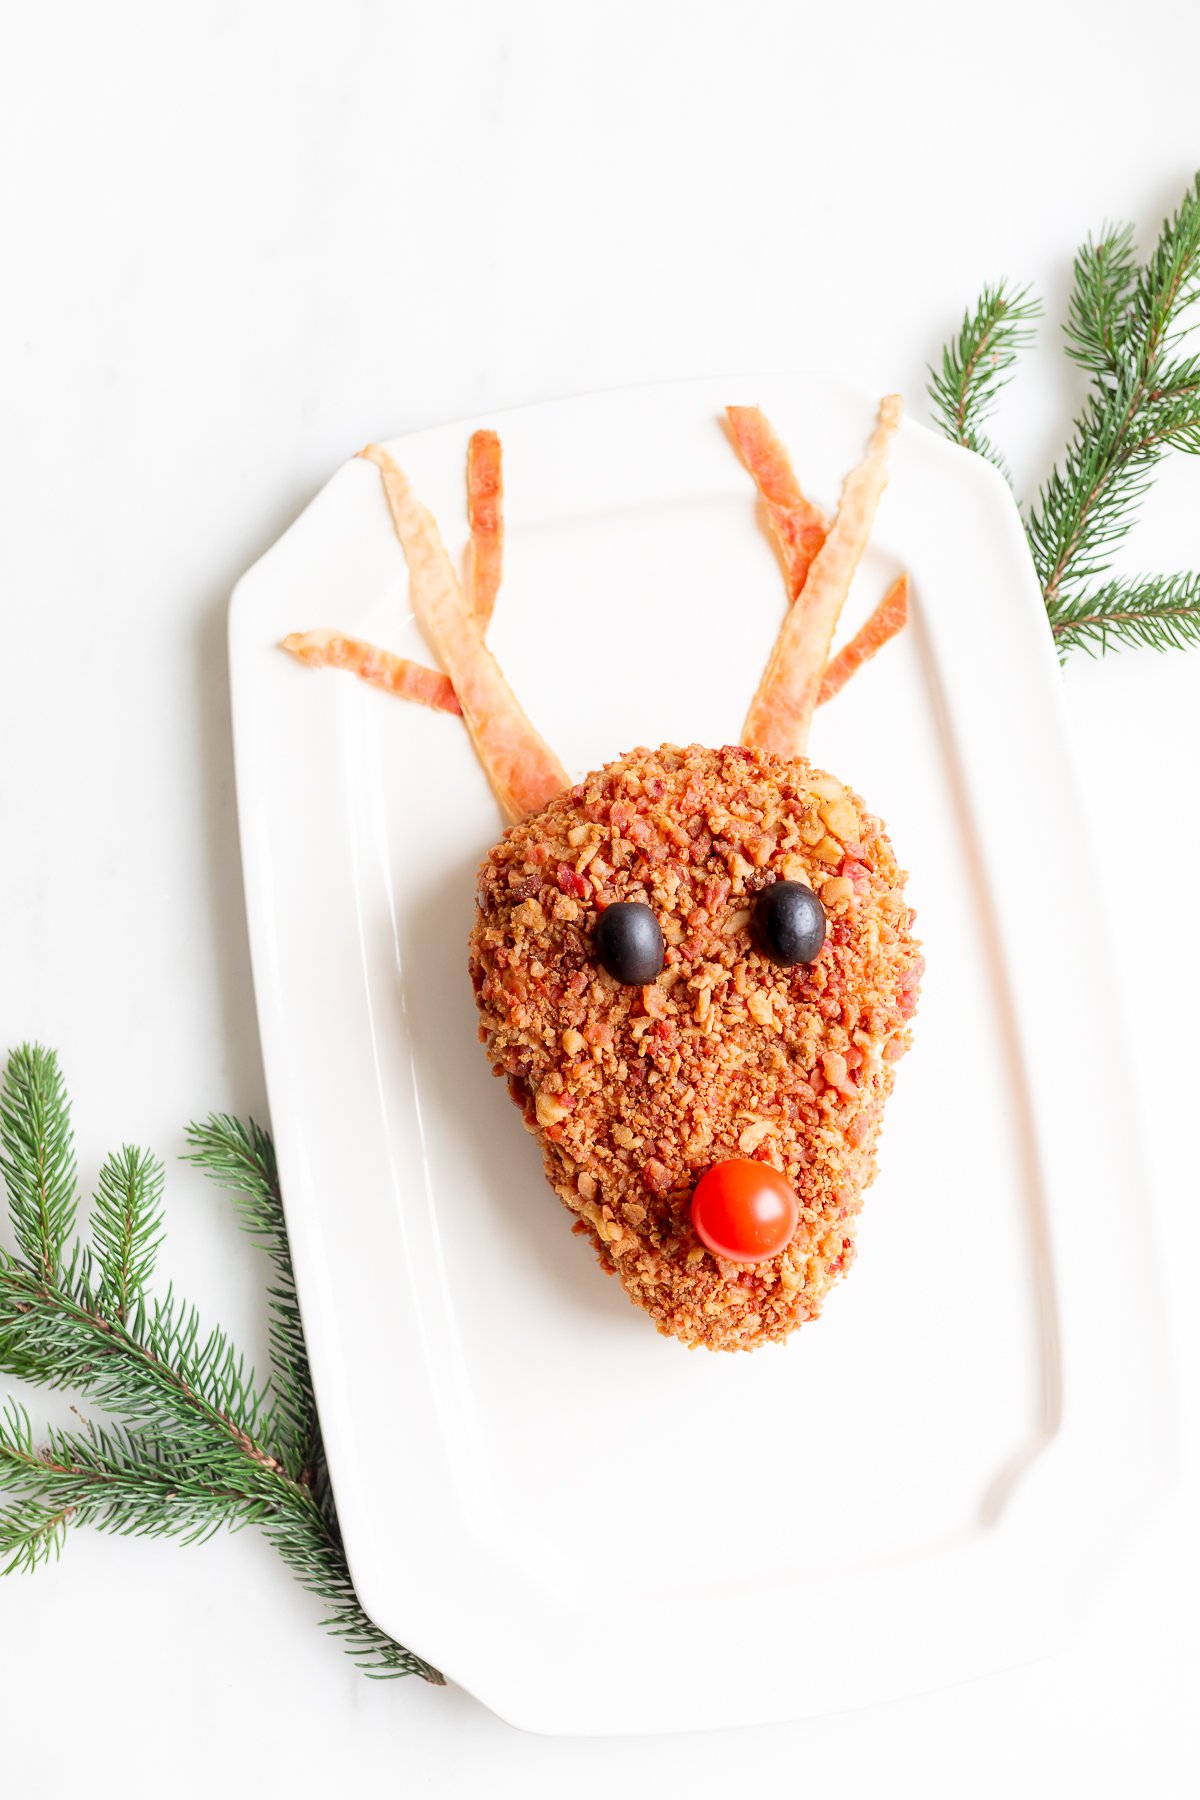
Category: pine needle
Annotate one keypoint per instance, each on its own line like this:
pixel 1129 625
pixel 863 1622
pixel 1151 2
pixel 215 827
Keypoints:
pixel 975 366
pixel 241 1159
pixel 191 1443
pixel 37 1157
pixel 126 1227
pixel 1161 612
pixel 122 1482
pixel 1097 319
pixel 1124 325
pixel 31 1534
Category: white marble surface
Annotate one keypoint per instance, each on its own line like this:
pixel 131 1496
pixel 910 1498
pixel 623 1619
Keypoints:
pixel 238 241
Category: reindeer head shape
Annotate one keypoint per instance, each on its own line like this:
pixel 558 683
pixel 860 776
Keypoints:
pixel 703 1043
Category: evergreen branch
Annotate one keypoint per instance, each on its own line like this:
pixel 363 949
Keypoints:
pixel 975 366
pixel 241 1159
pixel 1088 504
pixel 312 1548
pixel 31 1534
pixel 1124 323
pixel 194 1445
pixel 1097 319
pixel 1171 411
pixel 123 1483
pixel 153 1372
pixel 1170 281
pixel 1160 612
pixel 37 1157
pixel 126 1228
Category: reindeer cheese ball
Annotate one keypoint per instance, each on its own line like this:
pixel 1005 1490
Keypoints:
pixel 695 968
pixel 637 1091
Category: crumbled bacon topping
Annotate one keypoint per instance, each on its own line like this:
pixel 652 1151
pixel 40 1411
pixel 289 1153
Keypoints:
pixel 635 1092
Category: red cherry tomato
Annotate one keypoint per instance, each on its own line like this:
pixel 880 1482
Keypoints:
pixel 744 1210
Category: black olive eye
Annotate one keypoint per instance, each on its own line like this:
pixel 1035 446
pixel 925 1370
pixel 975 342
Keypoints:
pixel 629 943
pixel 789 923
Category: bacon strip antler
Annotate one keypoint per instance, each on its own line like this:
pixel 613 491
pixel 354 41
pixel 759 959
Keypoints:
pixel 819 562
pixel 782 709
pixel 889 617
pixel 800 528
pixel 485 498
pixel 523 770
pixel 327 649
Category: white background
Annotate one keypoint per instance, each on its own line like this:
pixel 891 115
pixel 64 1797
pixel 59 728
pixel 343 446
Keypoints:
pixel 239 240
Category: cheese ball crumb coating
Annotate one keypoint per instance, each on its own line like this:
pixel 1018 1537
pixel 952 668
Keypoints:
pixel 635 1092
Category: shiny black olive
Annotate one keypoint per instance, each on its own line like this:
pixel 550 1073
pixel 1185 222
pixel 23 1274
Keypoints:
pixel 789 923
pixel 629 943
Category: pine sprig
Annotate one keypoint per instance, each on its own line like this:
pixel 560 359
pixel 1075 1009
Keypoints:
pixel 126 1228
pixel 1087 504
pixel 191 1443
pixel 241 1159
pixel 121 1482
pixel 157 1371
pixel 312 1548
pixel 37 1156
pixel 1124 326
pixel 31 1534
pixel 975 366
pixel 1097 317
pixel 1160 611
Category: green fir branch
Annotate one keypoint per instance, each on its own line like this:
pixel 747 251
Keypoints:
pixel 1087 504
pixel 1159 612
pixel 1169 282
pixel 1097 317
pixel 37 1156
pixel 312 1548
pixel 191 1443
pixel 120 1482
pixel 126 1228
pixel 31 1534
pixel 154 1372
pixel 241 1159
pixel 1124 324
pixel 976 363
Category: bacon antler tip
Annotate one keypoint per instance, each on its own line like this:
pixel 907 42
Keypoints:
pixel 782 709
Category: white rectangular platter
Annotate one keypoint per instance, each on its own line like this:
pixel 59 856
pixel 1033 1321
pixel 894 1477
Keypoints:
pixel 590 1527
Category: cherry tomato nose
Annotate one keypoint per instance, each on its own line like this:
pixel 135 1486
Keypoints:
pixel 744 1210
